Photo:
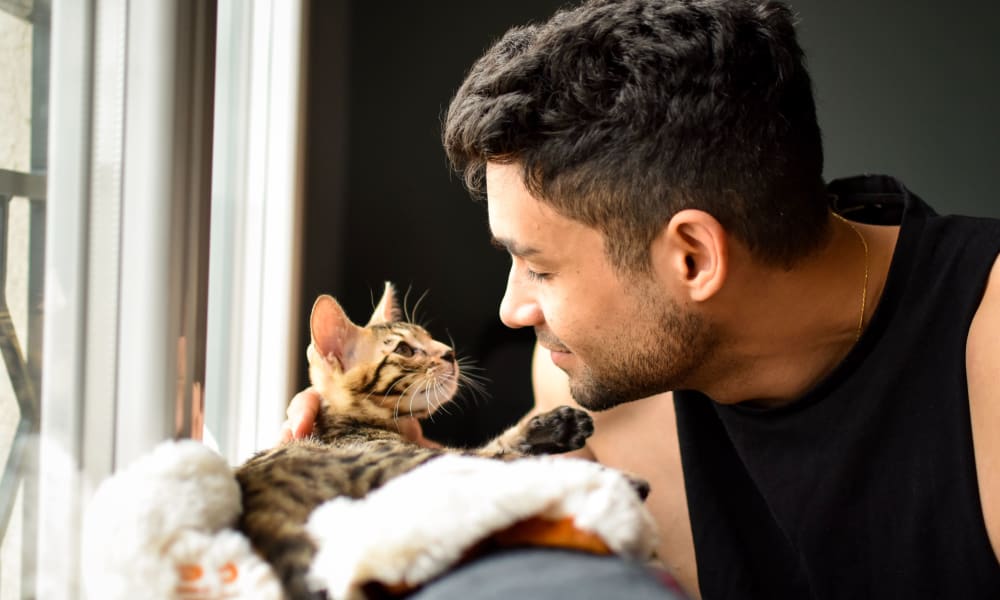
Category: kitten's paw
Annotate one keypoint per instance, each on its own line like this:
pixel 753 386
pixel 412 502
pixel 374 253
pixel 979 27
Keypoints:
pixel 560 430
pixel 640 485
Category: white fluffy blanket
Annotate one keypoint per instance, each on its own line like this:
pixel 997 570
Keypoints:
pixel 162 527
pixel 419 525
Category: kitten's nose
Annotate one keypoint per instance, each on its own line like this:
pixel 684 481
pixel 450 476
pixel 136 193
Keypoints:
pixel 448 356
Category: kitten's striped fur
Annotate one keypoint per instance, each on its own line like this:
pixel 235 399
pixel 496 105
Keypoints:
pixel 368 377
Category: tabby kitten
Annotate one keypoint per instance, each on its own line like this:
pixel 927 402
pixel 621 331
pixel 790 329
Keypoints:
pixel 368 377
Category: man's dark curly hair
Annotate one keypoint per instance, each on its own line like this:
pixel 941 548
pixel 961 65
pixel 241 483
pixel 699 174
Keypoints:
pixel 622 113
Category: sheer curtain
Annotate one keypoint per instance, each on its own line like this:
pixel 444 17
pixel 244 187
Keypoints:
pixel 255 224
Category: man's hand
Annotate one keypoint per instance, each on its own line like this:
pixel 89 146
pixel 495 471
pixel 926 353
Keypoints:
pixel 304 407
pixel 301 413
pixel 411 430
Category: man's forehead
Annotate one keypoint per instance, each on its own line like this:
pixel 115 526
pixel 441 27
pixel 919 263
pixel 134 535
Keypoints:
pixel 523 225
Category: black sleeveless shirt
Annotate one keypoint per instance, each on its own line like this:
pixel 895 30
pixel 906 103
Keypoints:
pixel 866 486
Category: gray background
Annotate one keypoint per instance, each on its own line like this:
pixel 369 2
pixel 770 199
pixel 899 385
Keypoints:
pixel 910 89
pixel 903 87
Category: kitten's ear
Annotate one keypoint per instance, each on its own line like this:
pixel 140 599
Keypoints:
pixel 387 310
pixel 333 334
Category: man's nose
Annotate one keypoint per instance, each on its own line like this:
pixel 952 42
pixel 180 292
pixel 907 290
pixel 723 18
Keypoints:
pixel 519 308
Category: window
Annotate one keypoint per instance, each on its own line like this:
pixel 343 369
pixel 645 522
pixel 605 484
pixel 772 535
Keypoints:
pixel 131 189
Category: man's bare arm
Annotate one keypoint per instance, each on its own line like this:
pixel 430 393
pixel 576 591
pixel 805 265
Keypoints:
pixel 983 371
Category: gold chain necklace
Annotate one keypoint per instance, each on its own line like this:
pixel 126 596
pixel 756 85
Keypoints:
pixel 864 289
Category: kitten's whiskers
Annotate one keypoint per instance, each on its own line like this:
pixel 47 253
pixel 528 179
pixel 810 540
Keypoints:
pixel 385 396
pixel 471 381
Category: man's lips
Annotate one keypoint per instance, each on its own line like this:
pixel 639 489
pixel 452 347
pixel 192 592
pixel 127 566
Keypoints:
pixel 559 349
pixel 558 354
pixel 550 342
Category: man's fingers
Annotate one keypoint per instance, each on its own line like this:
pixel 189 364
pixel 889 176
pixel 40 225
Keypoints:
pixel 304 407
pixel 302 411
pixel 305 426
pixel 411 430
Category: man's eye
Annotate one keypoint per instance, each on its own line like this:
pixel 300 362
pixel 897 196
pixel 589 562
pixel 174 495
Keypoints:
pixel 536 276
pixel 403 349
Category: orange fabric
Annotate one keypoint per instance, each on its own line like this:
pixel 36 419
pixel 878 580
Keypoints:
pixel 229 572
pixel 533 531
pixel 189 572
pixel 563 533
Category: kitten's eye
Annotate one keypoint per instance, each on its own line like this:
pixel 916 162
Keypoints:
pixel 403 349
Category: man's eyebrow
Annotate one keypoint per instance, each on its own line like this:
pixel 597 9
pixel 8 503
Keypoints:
pixel 513 247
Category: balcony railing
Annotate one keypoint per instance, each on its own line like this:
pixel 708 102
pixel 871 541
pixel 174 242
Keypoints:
pixel 23 368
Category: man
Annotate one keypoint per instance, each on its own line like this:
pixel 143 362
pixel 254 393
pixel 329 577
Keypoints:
pixel 817 363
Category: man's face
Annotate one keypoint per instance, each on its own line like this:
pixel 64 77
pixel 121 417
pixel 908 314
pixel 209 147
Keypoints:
pixel 619 337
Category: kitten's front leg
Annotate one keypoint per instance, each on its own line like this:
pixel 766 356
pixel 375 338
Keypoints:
pixel 562 429
pixel 559 430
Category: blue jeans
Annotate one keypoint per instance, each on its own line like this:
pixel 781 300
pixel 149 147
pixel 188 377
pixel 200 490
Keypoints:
pixel 547 574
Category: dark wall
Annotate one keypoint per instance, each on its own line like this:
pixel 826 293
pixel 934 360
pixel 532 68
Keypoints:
pixel 903 87
pixel 910 88
pixel 382 203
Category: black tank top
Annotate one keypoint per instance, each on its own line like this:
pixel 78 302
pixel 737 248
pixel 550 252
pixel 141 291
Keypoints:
pixel 866 486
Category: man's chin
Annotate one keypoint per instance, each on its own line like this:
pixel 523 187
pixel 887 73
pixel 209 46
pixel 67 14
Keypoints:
pixel 596 397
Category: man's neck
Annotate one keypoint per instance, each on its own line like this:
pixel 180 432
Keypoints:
pixel 786 330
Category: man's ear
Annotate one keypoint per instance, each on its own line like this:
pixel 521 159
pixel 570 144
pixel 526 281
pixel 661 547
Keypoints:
pixel 692 250
pixel 333 334
pixel 387 310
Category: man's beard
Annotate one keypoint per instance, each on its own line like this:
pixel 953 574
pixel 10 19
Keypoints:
pixel 639 364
